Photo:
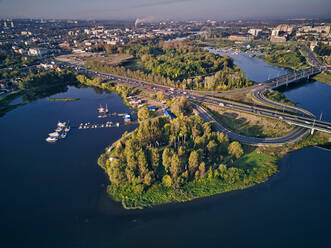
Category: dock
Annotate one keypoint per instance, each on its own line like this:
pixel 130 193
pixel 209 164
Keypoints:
pixel 109 124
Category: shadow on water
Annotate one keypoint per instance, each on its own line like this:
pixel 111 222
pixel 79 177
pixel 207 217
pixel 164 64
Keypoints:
pixel 295 85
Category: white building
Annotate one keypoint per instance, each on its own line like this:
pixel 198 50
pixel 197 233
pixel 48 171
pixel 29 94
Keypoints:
pixel 254 31
pixel 38 51
pixel 275 32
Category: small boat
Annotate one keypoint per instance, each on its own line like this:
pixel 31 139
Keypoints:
pixel 51 139
pixel 55 134
pixel 102 110
pixel 67 129
pixel 59 129
pixel 117 124
pixel 63 135
pixel 61 124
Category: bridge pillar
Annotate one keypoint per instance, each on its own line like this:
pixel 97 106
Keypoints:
pixel 312 131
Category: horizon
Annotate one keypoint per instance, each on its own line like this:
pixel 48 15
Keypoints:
pixel 161 10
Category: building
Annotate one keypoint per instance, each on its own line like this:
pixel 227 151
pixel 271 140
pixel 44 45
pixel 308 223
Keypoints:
pixel 285 28
pixel 254 31
pixel 275 32
pixel 313 44
pixel 38 51
pixel 278 39
pixel 65 44
pixel 153 109
pixel 242 38
pixel 127 118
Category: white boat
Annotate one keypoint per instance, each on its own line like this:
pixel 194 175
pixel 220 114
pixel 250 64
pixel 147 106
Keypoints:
pixel 117 124
pixel 61 124
pixel 59 129
pixel 51 139
pixel 67 129
pixel 102 109
pixel 55 134
pixel 63 135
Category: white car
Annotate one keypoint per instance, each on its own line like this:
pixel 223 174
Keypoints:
pixel 221 104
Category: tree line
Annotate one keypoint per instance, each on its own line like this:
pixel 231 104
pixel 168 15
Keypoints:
pixel 178 64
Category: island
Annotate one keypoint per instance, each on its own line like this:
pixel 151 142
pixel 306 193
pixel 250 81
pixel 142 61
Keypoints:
pixel 179 159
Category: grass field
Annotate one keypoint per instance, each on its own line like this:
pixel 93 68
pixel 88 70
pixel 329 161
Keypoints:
pixel 250 125
pixel 81 58
pixel 324 77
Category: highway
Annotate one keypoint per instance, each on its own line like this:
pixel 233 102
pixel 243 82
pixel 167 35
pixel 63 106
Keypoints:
pixel 297 134
pixel 302 118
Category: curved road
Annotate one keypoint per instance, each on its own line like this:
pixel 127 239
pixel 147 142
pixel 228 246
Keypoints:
pixel 297 134
pixel 305 119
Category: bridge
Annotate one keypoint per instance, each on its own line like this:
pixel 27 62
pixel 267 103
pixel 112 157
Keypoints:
pixel 293 77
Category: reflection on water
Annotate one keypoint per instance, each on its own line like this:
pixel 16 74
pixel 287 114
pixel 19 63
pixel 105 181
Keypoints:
pixel 54 195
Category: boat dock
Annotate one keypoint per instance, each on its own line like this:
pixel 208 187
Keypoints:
pixel 63 128
pixel 108 124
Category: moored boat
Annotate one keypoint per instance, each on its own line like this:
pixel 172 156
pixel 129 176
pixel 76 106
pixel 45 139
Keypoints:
pixel 55 134
pixel 51 139
pixel 61 124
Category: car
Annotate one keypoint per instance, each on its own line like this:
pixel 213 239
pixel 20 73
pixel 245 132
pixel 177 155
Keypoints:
pixel 221 104
pixel 307 122
pixel 281 117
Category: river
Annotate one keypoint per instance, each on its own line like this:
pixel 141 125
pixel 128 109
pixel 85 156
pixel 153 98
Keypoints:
pixel 53 195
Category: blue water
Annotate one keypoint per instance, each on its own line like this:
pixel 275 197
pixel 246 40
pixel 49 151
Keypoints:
pixel 254 68
pixel 54 195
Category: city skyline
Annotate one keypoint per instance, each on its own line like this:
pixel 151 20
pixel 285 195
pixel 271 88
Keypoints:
pixel 164 9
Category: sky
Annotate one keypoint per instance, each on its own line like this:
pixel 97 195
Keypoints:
pixel 164 9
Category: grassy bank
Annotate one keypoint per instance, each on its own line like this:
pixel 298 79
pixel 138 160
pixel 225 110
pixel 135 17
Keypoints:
pixel 324 77
pixel 36 86
pixel 287 56
pixel 222 180
pixel 5 103
pixel 250 125
pixel 277 96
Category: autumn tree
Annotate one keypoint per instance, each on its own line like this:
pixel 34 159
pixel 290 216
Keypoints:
pixel 235 149
pixel 143 114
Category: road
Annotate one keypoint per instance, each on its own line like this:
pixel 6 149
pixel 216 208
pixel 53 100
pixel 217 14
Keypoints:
pixel 297 134
pixel 299 117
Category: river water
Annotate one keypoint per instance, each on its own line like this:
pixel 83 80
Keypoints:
pixel 53 195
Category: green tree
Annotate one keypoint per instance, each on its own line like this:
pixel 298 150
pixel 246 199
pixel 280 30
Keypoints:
pixel 175 166
pixel 167 181
pixel 202 169
pixel 166 158
pixel 143 114
pixel 193 162
pixel 235 149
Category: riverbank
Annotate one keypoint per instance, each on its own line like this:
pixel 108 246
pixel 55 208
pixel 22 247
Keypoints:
pixel 36 86
pixel 324 77
pixel 144 177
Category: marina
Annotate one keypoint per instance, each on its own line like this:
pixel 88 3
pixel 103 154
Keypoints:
pixel 63 128
pixel 61 132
